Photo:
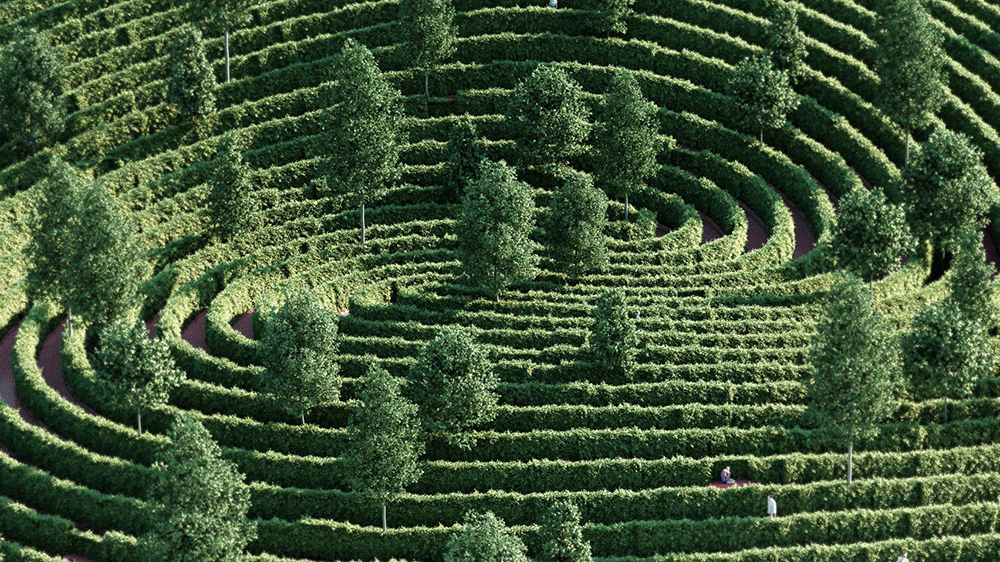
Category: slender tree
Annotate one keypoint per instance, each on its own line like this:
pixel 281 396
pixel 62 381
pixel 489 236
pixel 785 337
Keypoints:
pixel 763 94
pixel 48 249
pixel 466 152
pixel 191 87
pixel 134 371
pixel 364 116
pixel 493 231
pixel 485 537
pixel 627 139
pixel 946 352
pixel 104 262
pixel 227 14
pixel 855 366
pixel 872 234
pixel 610 16
pixel 231 202
pixel 199 501
pixel 909 61
pixel 454 386
pixel 786 44
pixel 948 189
pixel 299 348
pixel 562 535
pixel 548 118
pixel 970 282
pixel 429 29
pixel 575 225
pixel 613 340
pixel 383 440
pixel 31 85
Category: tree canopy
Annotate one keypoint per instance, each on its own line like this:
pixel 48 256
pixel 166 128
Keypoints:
pixel 562 535
pixel 226 14
pixel 786 44
pixel 762 93
pixel 191 87
pixel 610 16
pixel 31 85
pixel 872 234
pixel 613 341
pixel 466 152
pixel 231 203
pixel 428 27
pixel 485 537
pixel 970 281
pixel 575 225
pixel 494 228
pixel 48 248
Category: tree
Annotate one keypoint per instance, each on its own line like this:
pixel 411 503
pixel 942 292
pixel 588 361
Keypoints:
pixel 871 236
pixel 104 263
pixel 493 231
pixel 945 352
pixel 948 189
pixel 134 371
pixel 364 116
pixel 485 537
pixel 562 535
pixel 548 118
pixel 231 203
pixel 786 45
pixel 855 366
pixel 466 152
pixel 627 140
pixel 429 29
pixel 47 250
pixel 383 439
pixel 299 350
pixel 610 16
pixel 971 282
pixel 577 218
pixel 199 501
pixel 762 93
pixel 613 340
pixel 454 386
pixel 909 61
pixel 192 83
pixel 227 14
pixel 31 86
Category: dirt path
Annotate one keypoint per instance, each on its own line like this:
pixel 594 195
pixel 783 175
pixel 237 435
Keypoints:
pixel 244 324
pixel 194 332
pixel 50 362
pixel 710 229
pixel 756 230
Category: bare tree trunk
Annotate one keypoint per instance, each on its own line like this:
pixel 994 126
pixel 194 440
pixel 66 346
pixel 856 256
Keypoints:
pixel 762 135
pixel 906 162
pixel 383 518
pixel 427 87
pixel 945 409
pixel 496 286
pixel 362 221
pixel 138 416
pixel 303 418
pixel 227 55
pixel 850 462
pixel 69 322
pixel 626 207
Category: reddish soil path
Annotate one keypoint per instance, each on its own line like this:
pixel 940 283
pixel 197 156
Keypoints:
pixel 723 486
pixel 805 236
pixel 756 230
pixel 710 229
pixel 8 386
pixel 50 362
pixel 194 332
pixel 244 324
pixel 662 230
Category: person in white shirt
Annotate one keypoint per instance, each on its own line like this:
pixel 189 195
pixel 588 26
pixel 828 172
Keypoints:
pixel 727 476
pixel 553 3
pixel 772 506
pixel 903 558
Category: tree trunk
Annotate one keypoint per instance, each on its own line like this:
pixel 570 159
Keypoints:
pixel 906 161
pixel 362 221
pixel 138 417
pixel 945 409
pixel 383 518
pixel 427 88
pixel 850 462
pixel 762 135
pixel 496 286
pixel 227 55
pixel 303 418
pixel 626 207
pixel 69 322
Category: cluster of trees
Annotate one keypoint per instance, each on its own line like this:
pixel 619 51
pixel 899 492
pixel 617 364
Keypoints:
pixel 484 537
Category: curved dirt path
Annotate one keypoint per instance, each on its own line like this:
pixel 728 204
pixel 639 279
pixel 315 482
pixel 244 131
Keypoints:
pixel 194 332
pixel 756 230
pixel 710 229
pixel 50 362
pixel 244 324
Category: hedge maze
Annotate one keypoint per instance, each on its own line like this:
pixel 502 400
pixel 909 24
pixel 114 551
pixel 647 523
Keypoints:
pixel 719 267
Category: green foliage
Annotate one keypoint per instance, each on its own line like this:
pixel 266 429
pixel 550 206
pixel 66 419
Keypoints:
pixel 909 61
pixel 854 359
pixel 466 153
pixel 613 340
pixel 577 218
pixel 454 386
pixel 226 14
pixel 562 535
pixel 948 189
pixel 493 231
pixel 872 234
pixel 199 501
pixel 231 202
pixel 104 263
pixel 31 86
pixel 298 349
pixel 429 29
pixel 191 86
pixel 786 45
pixel 970 281
pixel 626 141
pixel 946 352
pixel 48 248
pixel 610 16
pixel 383 438
pixel 548 118
pixel 133 370
pixel 485 538
pixel 762 93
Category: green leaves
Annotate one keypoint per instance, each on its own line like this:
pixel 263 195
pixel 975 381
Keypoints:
pixel 429 29
pixel 48 248
pixel 31 83
pixel 872 234
pixel 548 118
pixel 299 348
pixel 610 16
pixel 613 343
pixel 763 94
pixel 191 86
pixel 199 501
pixel 493 231
pixel 485 538
pixel 466 153
pixel 970 281
pixel 227 14
pixel 231 203
pixel 454 386
pixel 575 225
pixel 133 370
pixel 785 43
pixel 562 535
